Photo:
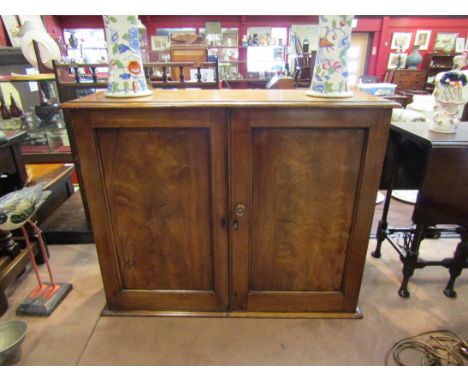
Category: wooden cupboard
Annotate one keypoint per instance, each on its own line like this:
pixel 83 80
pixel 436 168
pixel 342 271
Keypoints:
pixel 233 202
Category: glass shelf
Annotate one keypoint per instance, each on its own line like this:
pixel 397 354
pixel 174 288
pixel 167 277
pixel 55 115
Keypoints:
pixel 42 138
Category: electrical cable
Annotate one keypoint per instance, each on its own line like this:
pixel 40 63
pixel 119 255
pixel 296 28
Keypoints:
pixel 437 348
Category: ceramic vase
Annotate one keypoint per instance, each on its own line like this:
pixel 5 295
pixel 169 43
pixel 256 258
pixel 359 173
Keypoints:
pixel 330 77
pixel 414 58
pixel 126 74
pixel 449 97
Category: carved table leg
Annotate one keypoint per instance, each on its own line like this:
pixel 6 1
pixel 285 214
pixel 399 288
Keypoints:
pixel 411 259
pixel 381 233
pixel 456 266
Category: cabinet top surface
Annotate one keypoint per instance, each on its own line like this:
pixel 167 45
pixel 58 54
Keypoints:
pixel 161 98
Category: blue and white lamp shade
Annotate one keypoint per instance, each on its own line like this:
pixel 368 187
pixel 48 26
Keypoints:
pixel 126 74
pixel 330 77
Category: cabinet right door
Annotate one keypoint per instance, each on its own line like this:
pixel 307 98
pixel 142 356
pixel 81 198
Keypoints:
pixel 303 191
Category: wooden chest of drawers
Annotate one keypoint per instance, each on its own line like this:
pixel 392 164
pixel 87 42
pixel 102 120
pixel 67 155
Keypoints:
pixel 406 79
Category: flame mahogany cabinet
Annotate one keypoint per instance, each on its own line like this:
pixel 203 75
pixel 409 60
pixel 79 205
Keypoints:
pixel 231 202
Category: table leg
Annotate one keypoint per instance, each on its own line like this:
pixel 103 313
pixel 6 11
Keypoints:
pixel 381 233
pixel 456 266
pixel 411 259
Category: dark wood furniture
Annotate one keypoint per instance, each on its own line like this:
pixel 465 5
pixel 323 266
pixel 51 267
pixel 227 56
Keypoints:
pixel 241 203
pixel 305 63
pixel 437 166
pixel 13 174
pixel 434 63
pixel 406 79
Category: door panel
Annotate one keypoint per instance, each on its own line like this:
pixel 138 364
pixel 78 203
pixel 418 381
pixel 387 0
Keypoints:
pixel 162 227
pixel 166 216
pixel 300 179
pixel 293 197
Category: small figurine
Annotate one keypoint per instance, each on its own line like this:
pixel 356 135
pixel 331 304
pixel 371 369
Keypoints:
pixel 449 97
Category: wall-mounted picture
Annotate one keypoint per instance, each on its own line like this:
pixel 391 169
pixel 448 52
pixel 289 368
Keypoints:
pixel 160 42
pixel 401 40
pixel 422 39
pixel 397 60
pixel 459 44
pixel 445 41
pixel 213 27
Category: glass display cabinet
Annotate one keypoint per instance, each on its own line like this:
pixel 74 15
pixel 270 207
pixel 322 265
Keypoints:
pixel 46 138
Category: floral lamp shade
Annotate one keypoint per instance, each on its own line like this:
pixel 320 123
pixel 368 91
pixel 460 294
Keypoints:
pixel 126 74
pixel 330 77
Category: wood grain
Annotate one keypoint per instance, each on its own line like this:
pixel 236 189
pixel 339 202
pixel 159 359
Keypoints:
pixel 158 210
pixel 208 98
pixel 160 213
pixel 301 209
pixel 308 180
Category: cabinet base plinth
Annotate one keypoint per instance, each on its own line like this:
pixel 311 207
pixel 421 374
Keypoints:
pixel 151 313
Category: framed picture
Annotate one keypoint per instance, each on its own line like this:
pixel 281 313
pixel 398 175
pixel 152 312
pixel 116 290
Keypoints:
pixel 213 27
pixel 401 40
pixel 445 41
pixel 12 27
pixel 160 42
pixel 422 39
pixel 459 44
pixel 397 60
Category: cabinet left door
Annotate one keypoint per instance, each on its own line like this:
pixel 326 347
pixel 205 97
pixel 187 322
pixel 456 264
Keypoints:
pixel 157 188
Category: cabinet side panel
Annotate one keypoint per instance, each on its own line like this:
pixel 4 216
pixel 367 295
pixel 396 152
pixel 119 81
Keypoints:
pixel 304 183
pixel 159 194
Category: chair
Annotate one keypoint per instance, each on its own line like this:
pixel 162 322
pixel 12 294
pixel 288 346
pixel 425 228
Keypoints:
pixel 278 82
pixel 304 69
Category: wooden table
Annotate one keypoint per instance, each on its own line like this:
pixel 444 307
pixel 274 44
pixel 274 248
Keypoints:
pixel 436 165
pixel 231 202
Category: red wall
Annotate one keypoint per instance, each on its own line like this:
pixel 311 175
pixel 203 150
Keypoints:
pixel 3 37
pixel 458 24
pixel 380 28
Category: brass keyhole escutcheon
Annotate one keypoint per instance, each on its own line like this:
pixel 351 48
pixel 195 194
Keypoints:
pixel 240 210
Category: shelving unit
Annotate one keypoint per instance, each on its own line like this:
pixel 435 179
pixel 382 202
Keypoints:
pixel 435 63
pixel 45 142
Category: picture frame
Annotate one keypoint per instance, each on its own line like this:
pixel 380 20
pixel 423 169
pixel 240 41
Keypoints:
pixel 422 39
pixel 459 44
pixel 445 41
pixel 160 43
pixel 12 27
pixel 393 60
pixel 401 40
pixel 213 27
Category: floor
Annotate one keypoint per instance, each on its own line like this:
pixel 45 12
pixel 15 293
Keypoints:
pixel 76 334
